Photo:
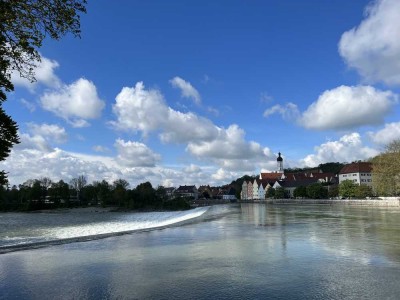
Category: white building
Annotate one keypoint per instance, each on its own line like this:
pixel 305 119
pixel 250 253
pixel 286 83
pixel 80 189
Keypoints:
pixel 358 172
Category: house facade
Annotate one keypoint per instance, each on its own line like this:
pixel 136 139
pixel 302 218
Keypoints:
pixel 358 172
pixel 187 191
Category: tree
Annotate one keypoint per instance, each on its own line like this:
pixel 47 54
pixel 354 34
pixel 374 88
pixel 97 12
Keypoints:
pixel 363 191
pixel 333 191
pixel 24 24
pixel 45 183
pixel 146 195
pixel 120 194
pixel 316 191
pixel 59 191
pixel 270 193
pixel 386 171
pixel 78 184
pixel 8 137
pixel 347 188
pixel 279 193
pixel 161 193
pixel 300 192
pixel 103 192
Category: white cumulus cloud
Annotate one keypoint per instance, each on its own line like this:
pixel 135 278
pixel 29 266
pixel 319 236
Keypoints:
pixel 99 148
pixel 44 74
pixel 348 148
pixel 373 48
pixel 50 132
pixel 289 111
pixel 341 108
pixel 145 111
pixel 348 107
pixel 187 90
pixel 76 103
pixel 35 158
pixel 386 135
pixel 135 154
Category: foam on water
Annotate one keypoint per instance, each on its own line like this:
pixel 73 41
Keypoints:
pixel 132 222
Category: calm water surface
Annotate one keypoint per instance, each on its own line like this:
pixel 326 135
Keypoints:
pixel 248 251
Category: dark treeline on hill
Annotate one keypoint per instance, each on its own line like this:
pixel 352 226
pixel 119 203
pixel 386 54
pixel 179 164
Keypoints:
pixel 237 184
pixel 42 193
pixel 331 167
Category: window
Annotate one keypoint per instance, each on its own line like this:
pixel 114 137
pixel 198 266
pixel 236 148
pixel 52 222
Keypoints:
pixel 354 174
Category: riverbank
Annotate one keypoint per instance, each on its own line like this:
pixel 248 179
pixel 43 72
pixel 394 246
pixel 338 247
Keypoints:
pixel 387 202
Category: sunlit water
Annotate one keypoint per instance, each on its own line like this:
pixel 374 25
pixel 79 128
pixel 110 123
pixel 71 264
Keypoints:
pixel 249 251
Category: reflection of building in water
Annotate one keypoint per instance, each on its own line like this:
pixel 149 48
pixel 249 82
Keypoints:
pixel 270 217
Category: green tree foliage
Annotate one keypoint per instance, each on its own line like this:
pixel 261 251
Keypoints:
pixel 270 193
pixel 363 191
pixel 386 171
pixel 161 193
pixel 300 192
pixel 59 193
pixel 331 167
pixel 333 191
pixel 347 189
pixel 103 192
pixel 316 191
pixel 24 24
pixel 8 137
pixel 31 195
pixel 120 193
pixel 145 195
pixel 279 193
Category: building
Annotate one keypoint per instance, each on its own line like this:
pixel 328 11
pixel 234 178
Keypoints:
pixel 169 191
pixel 279 161
pixel 358 172
pixel 243 193
pixel 229 194
pixel 290 186
pixel 189 191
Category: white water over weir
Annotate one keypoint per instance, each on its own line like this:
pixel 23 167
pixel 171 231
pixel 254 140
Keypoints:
pixel 29 230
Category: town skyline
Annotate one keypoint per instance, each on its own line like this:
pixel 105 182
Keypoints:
pixel 185 94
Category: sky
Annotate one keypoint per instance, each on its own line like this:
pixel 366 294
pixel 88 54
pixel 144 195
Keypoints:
pixel 203 92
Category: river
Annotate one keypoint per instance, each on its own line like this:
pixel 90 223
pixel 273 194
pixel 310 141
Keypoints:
pixel 241 251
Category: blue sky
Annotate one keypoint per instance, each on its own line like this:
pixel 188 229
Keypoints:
pixel 203 92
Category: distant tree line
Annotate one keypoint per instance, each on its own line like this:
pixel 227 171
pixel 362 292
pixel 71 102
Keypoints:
pixel 330 167
pixel 43 193
pixel 312 191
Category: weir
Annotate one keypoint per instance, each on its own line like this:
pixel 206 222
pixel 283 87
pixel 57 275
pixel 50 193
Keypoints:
pixel 40 230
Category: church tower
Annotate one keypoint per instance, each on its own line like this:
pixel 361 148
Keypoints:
pixel 279 161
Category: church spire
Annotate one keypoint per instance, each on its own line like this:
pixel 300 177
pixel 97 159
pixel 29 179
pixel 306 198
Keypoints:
pixel 279 161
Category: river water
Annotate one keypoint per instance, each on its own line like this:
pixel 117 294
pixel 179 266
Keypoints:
pixel 247 251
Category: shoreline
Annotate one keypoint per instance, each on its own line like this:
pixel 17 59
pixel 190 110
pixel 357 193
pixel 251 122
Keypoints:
pixel 357 202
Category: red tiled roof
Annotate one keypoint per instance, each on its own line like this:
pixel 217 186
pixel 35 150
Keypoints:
pixel 270 176
pixel 357 167
pixel 323 175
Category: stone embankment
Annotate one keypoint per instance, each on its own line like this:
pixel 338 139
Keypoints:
pixel 383 202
